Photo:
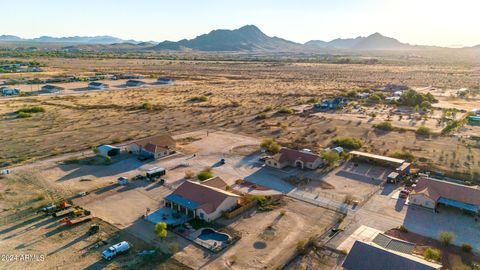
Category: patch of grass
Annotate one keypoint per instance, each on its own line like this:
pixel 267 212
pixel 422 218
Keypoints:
pixel 331 157
pixel 452 126
pixel 348 142
pixel 151 107
pixel 402 155
pixel 34 109
pixel 196 99
pixel 385 125
pixel 423 130
pixel 261 116
pixel 285 110
pixel 23 115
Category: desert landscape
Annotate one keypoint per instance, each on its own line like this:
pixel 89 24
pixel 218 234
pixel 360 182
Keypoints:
pixel 237 149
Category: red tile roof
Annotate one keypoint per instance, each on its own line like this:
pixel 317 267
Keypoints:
pixel 209 198
pixel 291 155
pixel 434 189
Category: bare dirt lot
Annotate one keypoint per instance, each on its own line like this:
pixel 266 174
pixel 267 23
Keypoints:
pixel 54 245
pixel 234 93
pixel 269 238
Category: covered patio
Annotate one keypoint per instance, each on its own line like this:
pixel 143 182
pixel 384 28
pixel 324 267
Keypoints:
pixel 168 215
pixel 181 205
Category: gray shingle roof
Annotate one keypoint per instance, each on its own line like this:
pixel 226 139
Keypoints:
pixel 363 256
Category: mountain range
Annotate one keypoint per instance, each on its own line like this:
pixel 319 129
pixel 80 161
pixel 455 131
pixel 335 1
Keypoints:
pixel 248 38
pixel 71 40
pixel 375 41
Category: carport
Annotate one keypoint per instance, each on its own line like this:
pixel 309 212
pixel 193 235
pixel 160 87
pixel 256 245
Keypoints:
pixel 460 205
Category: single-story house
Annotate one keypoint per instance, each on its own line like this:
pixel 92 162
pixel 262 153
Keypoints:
pixel 165 80
pixel 97 85
pixel 7 91
pixel 108 150
pixel 369 256
pixel 51 88
pixel 295 158
pixel 201 201
pixel 430 192
pixel 134 83
pixel 156 146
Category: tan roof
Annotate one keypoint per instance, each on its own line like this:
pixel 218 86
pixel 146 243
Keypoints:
pixel 434 189
pixel 208 198
pixel 291 155
pixel 215 182
pixel 157 143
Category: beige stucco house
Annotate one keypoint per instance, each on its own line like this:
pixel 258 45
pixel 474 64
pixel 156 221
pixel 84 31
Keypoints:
pixel 295 158
pixel 156 146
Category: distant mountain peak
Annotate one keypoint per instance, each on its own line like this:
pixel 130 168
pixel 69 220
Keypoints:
pixel 245 38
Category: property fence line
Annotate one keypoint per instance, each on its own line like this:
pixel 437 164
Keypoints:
pixel 319 201
pixel 240 210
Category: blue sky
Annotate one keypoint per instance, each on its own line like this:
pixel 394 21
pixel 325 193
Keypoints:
pixel 427 22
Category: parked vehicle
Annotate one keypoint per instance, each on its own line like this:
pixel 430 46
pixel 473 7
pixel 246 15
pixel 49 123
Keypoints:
pixel 264 158
pixel 73 221
pixel 6 171
pixel 122 181
pixel 83 193
pixel 404 193
pixel 115 250
pixel 94 228
pixel 156 172
pixel 222 161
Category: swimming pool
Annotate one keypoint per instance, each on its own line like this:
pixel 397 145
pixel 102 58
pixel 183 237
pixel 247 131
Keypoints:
pixel 211 234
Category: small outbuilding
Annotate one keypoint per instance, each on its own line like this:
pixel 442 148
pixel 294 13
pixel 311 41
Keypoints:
pixel 165 80
pixel 108 150
pixel 51 88
pixel 132 83
pixel 98 85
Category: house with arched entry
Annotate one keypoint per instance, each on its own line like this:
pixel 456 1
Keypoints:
pixel 302 159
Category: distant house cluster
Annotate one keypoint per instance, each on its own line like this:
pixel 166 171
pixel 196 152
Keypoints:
pixel 302 159
pixel 49 88
pixel 98 85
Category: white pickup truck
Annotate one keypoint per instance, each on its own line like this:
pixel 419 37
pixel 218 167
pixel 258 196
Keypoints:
pixel 115 250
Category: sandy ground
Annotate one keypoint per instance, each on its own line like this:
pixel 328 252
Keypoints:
pixel 347 180
pixel 269 238
pixel 53 245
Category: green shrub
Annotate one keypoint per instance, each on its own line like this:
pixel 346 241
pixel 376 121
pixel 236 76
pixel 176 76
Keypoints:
pixel 348 142
pixel 423 130
pixel 376 97
pixel 402 155
pixel 413 98
pixel 161 229
pixel 466 248
pixel 285 110
pixel 452 126
pixel 34 109
pixel 403 229
pixel 261 115
pixel 23 115
pixel 446 237
pixel 432 254
pixel 331 157
pixel 385 125
pixel 198 99
pixel 205 174
pixel 270 145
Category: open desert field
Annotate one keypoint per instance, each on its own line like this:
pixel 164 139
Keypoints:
pixel 228 96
